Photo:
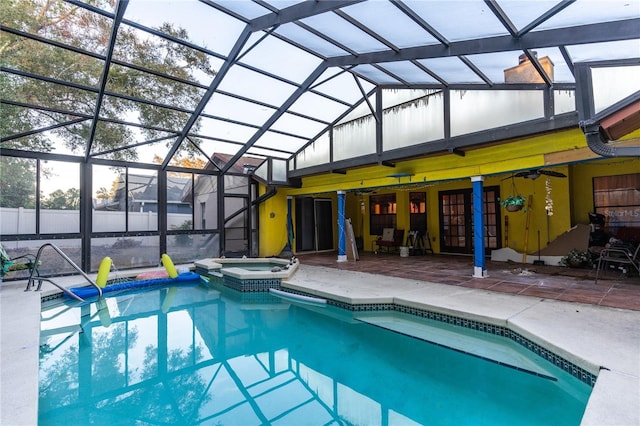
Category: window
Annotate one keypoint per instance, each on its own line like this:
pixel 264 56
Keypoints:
pixel 618 199
pixel 382 212
pixel 418 211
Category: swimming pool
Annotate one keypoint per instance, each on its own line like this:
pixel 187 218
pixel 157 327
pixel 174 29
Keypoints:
pixel 214 355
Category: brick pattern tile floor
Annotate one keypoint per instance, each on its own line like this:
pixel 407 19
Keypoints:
pixel 614 289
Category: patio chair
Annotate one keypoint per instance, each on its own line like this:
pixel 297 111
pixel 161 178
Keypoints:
pixel 621 256
pixel 18 263
pixel 391 239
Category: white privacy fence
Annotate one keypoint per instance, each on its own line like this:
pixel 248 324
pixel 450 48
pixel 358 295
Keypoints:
pixel 23 221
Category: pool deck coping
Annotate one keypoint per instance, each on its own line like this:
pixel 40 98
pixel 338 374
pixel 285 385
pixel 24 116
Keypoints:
pixel 593 337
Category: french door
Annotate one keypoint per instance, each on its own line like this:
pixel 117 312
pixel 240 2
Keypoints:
pixel 456 220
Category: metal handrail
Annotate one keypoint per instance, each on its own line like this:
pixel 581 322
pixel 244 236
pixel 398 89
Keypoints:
pixel 30 283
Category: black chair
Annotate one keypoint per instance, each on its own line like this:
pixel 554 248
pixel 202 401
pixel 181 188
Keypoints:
pixel 621 256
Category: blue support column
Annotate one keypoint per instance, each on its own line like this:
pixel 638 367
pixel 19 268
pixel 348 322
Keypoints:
pixel 342 234
pixel 479 262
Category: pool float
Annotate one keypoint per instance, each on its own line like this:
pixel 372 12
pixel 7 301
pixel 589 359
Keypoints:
pixel 152 274
pixel 185 277
pixel 168 299
pixel 169 266
pixel 173 278
pixel 103 272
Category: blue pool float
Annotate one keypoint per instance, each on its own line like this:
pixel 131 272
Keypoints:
pixel 86 292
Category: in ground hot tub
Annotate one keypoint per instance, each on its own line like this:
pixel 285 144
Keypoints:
pixel 248 274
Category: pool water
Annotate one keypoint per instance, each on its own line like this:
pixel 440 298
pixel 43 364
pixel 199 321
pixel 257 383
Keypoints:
pixel 196 355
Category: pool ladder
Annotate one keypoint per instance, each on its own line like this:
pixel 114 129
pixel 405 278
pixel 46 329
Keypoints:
pixel 40 278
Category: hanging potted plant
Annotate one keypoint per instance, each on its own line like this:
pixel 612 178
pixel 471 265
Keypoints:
pixel 513 203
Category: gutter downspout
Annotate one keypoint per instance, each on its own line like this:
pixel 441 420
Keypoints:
pixel 600 145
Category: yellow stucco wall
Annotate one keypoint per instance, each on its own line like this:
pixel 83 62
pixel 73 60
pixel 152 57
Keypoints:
pixel 273 224
pixel 572 197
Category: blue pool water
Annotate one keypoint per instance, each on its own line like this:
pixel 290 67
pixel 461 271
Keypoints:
pixel 196 355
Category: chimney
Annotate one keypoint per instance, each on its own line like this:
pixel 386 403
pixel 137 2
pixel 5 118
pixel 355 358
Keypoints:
pixel 525 72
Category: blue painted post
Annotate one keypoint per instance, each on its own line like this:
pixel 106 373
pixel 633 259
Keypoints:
pixel 342 234
pixel 479 262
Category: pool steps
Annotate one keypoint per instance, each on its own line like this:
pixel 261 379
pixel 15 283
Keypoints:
pixel 587 374
pixel 298 297
pixel 491 348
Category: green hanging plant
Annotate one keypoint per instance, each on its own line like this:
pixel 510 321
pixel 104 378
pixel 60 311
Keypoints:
pixel 513 203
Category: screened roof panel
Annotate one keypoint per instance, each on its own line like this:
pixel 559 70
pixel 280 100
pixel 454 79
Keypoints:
pixel 459 20
pixel 247 9
pixel 408 71
pixel 341 85
pixel 208 146
pixel 605 51
pixel 68 136
pixel 64 23
pixel 280 58
pixel 198 23
pixel 583 12
pixel 235 109
pixel 561 71
pixel 298 126
pixel 127 135
pixel 309 39
pixel 451 69
pixel 522 13
pixel 347 34
pixel 54 62
pixel 362 109
pixel 396 27
pixel 224 130
pixel 48 95
pixel 189 149
pixel 253 85
pixel 134 46
pixel 318 106
pixel 281 4
pixel 493 65
pixel 267 77
pixel 144 86
pixel 142 114
pixel 284 143
pixel 393 97
pixel 268 152
pixel 141 151
pixel 373 73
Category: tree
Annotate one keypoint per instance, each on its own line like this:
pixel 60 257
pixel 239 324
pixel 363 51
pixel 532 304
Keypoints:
pixel 18 176
pixel 75 26
pixel 184 161
pixel 62 200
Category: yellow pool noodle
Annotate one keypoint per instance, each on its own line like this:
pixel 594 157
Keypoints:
pixel 103 313
pixel 168 299
pixel 169 266
pixel 103 272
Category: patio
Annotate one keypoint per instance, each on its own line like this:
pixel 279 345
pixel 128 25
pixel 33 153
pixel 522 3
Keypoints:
pixel 548 282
